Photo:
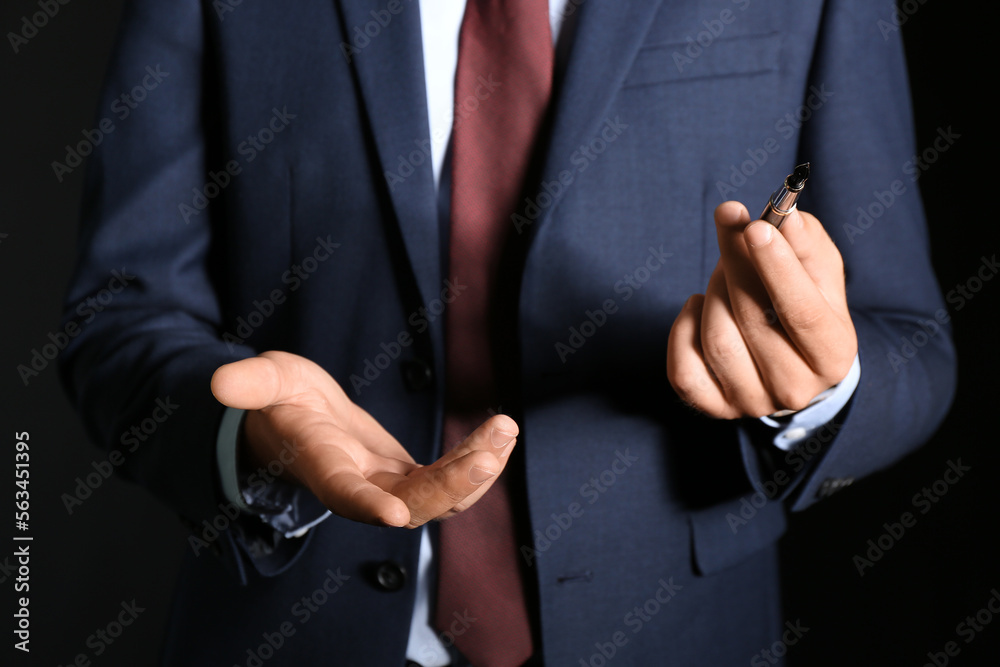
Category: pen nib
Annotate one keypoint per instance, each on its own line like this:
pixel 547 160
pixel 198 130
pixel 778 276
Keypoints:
pixel 798 177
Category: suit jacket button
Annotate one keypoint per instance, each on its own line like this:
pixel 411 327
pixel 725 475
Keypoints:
pixel 417 374
pixel 391 576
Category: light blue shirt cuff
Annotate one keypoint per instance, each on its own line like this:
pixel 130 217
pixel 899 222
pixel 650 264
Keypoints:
pixel 225 454
pixel 821 410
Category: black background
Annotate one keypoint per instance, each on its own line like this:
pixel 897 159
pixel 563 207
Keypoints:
pixel 120 545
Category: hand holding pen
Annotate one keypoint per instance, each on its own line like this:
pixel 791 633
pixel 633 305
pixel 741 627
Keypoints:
pixel 772 330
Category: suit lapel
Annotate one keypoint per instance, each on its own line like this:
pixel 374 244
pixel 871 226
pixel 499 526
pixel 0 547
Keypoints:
pixel 390 71
pixel 606 38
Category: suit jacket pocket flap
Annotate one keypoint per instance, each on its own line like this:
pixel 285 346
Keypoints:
pixel 745 54
pixel 726 534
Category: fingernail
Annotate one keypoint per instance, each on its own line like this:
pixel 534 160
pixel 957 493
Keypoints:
pixel 759 233
pixel 500 439
pixel 477 475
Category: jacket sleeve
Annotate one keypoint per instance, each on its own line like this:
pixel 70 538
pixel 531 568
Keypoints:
pixel 158 338
pixel 859 138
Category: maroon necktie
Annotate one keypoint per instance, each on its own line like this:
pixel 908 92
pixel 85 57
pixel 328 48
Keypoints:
pixel 502 88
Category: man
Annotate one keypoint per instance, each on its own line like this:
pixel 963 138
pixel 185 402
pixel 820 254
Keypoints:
pixel 289 206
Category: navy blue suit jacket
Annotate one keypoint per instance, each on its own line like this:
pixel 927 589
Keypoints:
pixel 268 138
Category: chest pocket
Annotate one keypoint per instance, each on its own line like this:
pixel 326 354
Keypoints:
pixel 673 62
pixel 696 39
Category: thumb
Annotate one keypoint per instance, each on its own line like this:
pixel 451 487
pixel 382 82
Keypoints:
pixel 257 382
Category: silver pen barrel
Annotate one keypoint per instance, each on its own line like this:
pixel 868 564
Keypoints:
pixel 783 200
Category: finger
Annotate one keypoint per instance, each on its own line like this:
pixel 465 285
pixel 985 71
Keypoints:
pixel 687 371
pixel 787 374
pixel 726 353
pixel 351 490
pixel 818 255
pixel 748 299
pixel 358 499
pixel 496 435
pixel 731 218
pixel 461 476
pixel 825 340
pixel 441 489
